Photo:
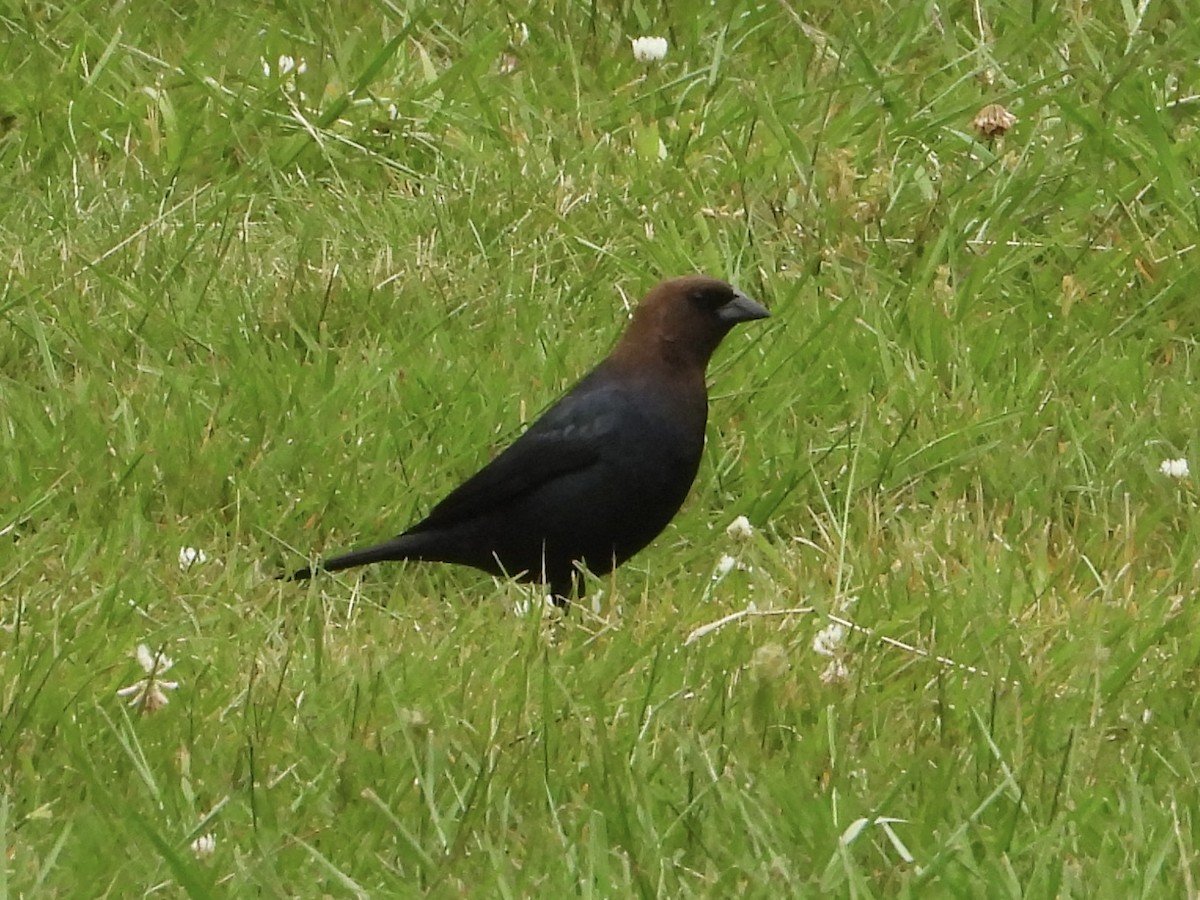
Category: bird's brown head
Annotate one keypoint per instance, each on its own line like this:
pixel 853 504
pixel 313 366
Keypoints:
pixel 682 321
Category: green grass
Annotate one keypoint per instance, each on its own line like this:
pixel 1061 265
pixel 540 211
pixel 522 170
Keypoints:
pixel 268 326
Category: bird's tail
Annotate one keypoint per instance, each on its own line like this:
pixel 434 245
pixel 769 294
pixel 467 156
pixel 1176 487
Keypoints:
pixel 402 546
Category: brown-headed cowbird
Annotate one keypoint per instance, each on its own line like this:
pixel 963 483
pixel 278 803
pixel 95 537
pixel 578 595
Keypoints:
pixel 604 470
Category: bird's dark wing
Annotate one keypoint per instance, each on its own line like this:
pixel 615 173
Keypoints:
pixel 566 439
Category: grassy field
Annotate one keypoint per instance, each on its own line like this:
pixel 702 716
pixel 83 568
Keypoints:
pixel 277 277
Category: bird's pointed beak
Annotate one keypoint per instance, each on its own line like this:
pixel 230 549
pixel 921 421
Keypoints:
pixel 741 309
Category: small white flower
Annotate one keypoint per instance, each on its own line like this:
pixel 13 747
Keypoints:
pixel 725 565
pixel 191 556
pixel 993 120
pixel 835 672
pixel 1174 468
pixel 740 529
pixel 205 845
pixel 153 663
pixel 286 66
pixel 148 694
pixel 649 49
pixel 520 34
pixel 828 641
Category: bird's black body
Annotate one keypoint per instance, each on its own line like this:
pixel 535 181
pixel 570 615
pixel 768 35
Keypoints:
pixel 603 471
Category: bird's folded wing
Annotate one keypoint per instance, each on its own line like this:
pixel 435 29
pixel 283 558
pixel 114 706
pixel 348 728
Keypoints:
pixel 567 439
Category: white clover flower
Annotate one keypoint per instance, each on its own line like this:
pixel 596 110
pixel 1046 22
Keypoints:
pixel 191 556
pixel 153 662
pixel 287 65
pixel 835 672
pixel 205 845
pixel 725 565
pixel 148 694
pixel 828 641
pixel 1174 468
pixel 740 529
pixel 993 120
pixel 649 49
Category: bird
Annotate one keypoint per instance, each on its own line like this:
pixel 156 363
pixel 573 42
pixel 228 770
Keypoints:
pixel 603 471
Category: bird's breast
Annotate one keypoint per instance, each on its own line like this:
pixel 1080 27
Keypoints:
pixel 657 443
